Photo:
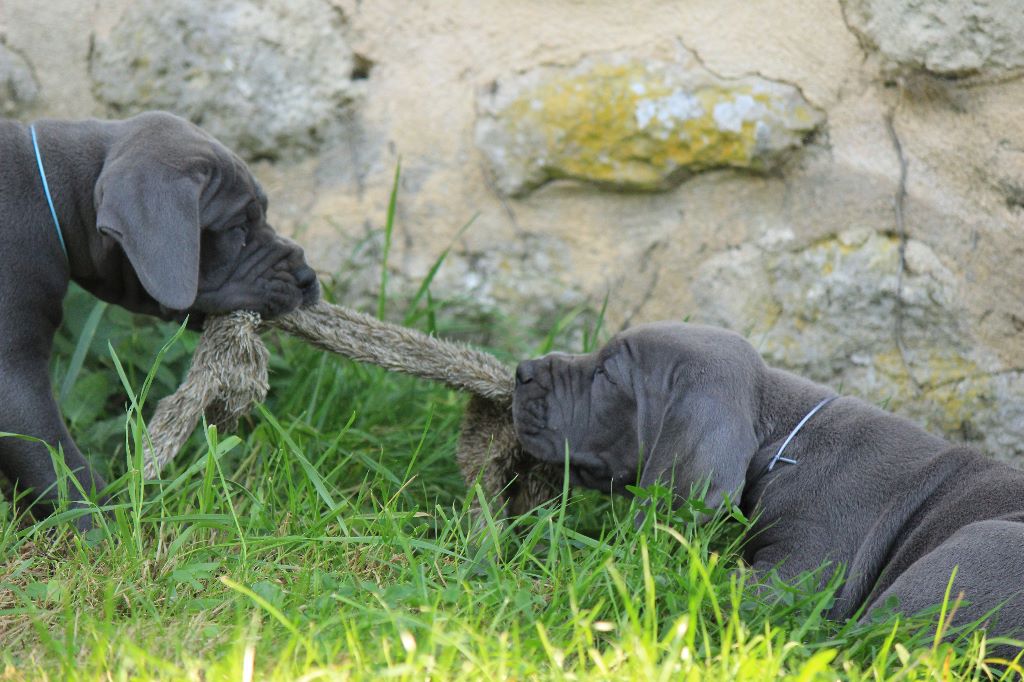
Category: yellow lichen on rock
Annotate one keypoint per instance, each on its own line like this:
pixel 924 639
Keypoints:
pixel 637 125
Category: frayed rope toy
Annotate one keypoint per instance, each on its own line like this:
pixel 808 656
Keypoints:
pixel 229 375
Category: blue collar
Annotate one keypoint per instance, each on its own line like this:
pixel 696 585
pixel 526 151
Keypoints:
pixel 778 455
pixel 46 190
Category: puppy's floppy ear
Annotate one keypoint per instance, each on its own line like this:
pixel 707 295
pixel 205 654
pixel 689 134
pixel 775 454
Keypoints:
pixel 152 211
pixel 697 436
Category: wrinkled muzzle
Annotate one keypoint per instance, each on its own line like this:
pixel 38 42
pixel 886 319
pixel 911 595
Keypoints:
pixel 269 276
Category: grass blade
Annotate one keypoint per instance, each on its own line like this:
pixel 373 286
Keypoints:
pixel 389 226
pixel 81 348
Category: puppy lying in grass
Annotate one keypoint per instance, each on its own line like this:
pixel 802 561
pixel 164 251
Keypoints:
pixel 828 479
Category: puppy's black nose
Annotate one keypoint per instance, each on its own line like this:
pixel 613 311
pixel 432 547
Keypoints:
pixel 525 372
pixel 309 286
pixel 305 277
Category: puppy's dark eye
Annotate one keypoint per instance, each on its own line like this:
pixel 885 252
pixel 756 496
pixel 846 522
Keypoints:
pixel 253 212
pixel 601 372
pixel 240 233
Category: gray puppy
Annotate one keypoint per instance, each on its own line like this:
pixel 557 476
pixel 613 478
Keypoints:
pixel 686 405
pixel 150 213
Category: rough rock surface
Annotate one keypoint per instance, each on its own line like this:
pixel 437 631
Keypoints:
pixel 840 311
pixel 629 123
pixel 532 269
pixel 266 77
pixel 946 38
pixel 18 87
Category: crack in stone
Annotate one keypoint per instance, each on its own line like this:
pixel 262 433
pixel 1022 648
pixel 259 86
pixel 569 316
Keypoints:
pixel 899 203
pixel 645 260
pixel 973 377
pixel 746 73
pixel 861 39
pixel 493 187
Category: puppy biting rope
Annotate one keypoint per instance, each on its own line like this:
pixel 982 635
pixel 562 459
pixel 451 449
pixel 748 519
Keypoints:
pixel 229 374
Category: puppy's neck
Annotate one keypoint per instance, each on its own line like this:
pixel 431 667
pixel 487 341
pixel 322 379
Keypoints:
pixel 785 400
pixel 73 153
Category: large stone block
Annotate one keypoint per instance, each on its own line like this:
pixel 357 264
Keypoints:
pixel 946 38
pixel 268 77
pixel 629 123
pixel 841 311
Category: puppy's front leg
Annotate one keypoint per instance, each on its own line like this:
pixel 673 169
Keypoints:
pixel 29 409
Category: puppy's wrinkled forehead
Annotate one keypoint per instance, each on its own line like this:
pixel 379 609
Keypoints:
pixel 680 341
pixel 641 345
pixel 655 336
pixel 229 186
pixel 634 348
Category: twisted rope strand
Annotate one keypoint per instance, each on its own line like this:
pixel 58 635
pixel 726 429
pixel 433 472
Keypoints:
pixel 229 374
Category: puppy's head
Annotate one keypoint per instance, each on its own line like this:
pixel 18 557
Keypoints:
pixel 191 220
pixel 661 403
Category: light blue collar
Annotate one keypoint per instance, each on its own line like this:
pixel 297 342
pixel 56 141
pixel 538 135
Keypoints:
pixel 46 190
pixel 778 455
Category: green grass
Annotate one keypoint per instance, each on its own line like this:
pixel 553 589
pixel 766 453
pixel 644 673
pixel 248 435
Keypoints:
pixel 331 537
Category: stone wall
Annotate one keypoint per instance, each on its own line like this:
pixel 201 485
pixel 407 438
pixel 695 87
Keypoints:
pixel 843 181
